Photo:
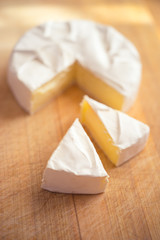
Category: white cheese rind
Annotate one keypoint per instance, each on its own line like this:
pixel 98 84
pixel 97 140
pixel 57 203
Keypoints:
pixel 20 91
pixel 50 48
pixel 75 166
pixel 127 133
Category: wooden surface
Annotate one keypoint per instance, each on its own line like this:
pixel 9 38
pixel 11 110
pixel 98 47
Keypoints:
pixel 130 206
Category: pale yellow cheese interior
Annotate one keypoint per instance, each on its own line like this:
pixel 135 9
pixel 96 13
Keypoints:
pixel 55 86
pixel 98 131
pixel 98 89
pixel 85 80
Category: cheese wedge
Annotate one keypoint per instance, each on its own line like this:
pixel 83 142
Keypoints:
pixel 75 166
pixel 120 136
pixel 50 57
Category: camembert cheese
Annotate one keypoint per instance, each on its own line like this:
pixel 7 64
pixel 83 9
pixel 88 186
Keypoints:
pixel 120 136
pixel 75 166
pixel 51 57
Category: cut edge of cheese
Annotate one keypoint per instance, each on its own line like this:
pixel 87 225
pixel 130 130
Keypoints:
pixel 120 136
pixel 75 73
pixel 75 166
pixel 96 88
pixel 52 89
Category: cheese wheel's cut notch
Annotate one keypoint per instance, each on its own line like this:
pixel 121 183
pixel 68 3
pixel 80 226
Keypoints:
pixel 51 57
pixel 120 136
pixel 75 166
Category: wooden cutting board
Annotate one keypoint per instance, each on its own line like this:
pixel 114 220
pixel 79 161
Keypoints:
pixel 130 206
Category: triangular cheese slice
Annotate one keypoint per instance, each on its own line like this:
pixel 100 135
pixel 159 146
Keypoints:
pixel 75 166
pixel 120 136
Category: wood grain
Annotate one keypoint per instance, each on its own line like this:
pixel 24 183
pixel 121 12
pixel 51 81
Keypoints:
pixel 130 206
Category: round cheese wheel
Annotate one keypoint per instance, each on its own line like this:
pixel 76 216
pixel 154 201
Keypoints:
pixel 50 57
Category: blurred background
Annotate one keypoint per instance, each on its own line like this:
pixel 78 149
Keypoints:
pixel 18 16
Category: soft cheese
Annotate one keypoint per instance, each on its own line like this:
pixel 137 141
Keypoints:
pixel 50 57
pixel 120 136
pixel 75 166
